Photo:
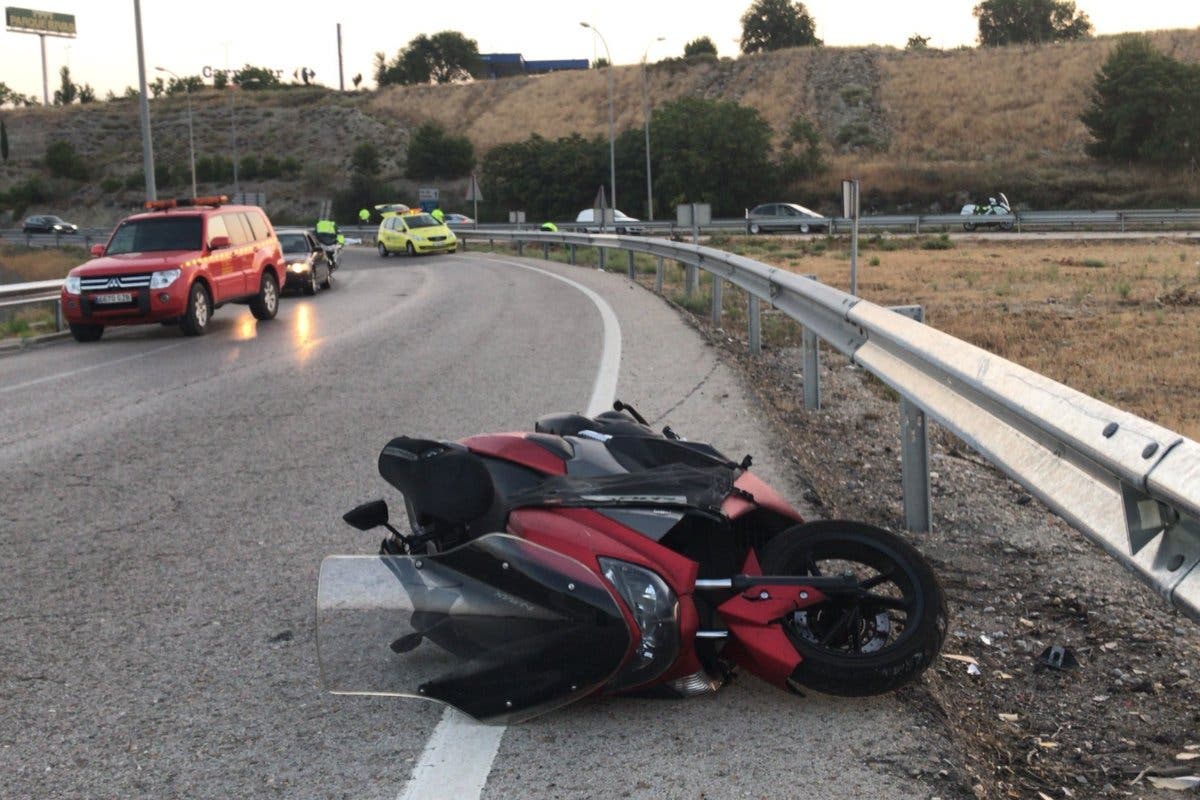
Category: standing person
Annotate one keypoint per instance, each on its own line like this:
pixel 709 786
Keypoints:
pixel 438 215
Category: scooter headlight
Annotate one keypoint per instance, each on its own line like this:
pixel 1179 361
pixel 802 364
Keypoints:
pixel 655 609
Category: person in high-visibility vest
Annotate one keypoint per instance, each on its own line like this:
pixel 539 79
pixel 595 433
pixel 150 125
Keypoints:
pixel 364 216
pixel 438 215
pixel 328 236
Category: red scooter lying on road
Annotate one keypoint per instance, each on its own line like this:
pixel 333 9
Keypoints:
pixel 594 556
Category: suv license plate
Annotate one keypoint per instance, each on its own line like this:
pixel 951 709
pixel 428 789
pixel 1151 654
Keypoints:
pixel 104 299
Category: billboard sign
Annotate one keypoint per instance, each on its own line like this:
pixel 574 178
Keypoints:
pixel 26 20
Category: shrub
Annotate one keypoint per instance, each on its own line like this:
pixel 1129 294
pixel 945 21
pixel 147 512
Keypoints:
pixel 942 242
pixel 64 162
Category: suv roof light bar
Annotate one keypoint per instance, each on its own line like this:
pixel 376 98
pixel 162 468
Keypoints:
pixel 206 200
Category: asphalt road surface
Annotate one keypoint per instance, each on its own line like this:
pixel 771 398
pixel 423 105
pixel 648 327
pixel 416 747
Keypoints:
pixel 165 503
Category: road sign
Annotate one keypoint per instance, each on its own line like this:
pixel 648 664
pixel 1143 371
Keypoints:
pixel 25 20
pixel 473 192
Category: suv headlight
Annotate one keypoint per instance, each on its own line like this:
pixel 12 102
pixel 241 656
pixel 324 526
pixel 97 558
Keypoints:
pixel 655 609
pixel 71 284
pixel 164 278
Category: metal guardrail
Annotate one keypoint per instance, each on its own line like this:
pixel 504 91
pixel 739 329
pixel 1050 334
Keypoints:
pixel 1131 486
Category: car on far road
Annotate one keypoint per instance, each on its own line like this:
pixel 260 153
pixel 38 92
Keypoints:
pixel 414 232
pixel 459 219
pixel 784 217
pixel 622 222
pixel 48 223
pixel 307 263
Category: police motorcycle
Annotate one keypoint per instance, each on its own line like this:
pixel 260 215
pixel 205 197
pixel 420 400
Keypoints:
pixel 979 213
pixel 331 242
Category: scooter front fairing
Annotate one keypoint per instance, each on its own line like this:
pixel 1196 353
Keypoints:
pixel 500 628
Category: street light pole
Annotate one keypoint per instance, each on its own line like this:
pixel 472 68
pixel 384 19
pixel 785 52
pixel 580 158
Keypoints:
pixel 187 90
pixel 646 118
pixel 612 147
pixel 144 108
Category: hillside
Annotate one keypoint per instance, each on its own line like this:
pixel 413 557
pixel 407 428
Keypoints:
pixel 921 129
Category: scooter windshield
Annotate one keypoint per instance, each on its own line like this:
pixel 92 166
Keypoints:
pixel 500 628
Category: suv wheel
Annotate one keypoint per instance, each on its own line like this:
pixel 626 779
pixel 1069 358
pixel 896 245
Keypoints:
pixel 265 304
pixel 199 311
pixel 86 333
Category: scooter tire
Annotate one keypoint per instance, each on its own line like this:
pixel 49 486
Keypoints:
pixel 832 666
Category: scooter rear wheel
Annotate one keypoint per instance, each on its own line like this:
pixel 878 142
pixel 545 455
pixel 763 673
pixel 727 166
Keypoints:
pixel 875 638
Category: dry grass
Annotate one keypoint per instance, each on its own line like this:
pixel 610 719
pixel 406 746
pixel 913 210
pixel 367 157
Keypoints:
pixel 21 264
pixel 1117 320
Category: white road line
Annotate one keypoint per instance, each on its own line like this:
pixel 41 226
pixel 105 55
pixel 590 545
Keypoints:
pixel 89 368
pixel 458 758
pixel 604 390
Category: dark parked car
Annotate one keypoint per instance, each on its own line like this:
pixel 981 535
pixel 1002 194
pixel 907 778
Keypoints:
pixel 48 223
pixel 307 264
pixel 784 217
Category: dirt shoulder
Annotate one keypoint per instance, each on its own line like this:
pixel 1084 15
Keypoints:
pixel 1018 580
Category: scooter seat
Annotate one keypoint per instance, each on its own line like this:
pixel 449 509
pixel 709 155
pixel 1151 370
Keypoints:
pixel 441 480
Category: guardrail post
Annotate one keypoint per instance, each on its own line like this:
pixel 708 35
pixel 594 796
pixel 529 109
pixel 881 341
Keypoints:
pixel 918 226
pixel 812 371
pixel 755 332
pixel 603 258
pixel 691 279
pixel 914 452
pixel 58 316
pixel 716 300
pixel 914 462
pixel 520 248
pixel 658 274
pixel 1121 217
pixel 632 269
pixel 572 249
pixel 545 251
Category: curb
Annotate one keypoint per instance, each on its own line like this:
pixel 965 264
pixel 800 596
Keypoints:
pixel 15 345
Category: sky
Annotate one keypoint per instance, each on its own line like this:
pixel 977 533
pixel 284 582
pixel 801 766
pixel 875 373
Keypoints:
pixel 186 37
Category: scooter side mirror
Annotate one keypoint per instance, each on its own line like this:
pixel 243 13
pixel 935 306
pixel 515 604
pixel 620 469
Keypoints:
pixel 368 515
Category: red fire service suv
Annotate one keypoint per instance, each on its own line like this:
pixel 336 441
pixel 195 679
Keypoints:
pixel 176 263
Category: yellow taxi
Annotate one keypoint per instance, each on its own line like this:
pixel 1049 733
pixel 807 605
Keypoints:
pixel 414 232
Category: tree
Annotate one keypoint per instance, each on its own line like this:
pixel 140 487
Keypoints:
pixel 190 83
pixel 433 153
pixel 719 154
pixel 250 77
pixel 1144 106
pixel 700 48
pixel 442 58
pixel 365 160
pixel 64 162
pixel 800 156
pixel 14 98
pixel 775 24
pixel 917 42
pixel 69 91
pixel 1018 21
